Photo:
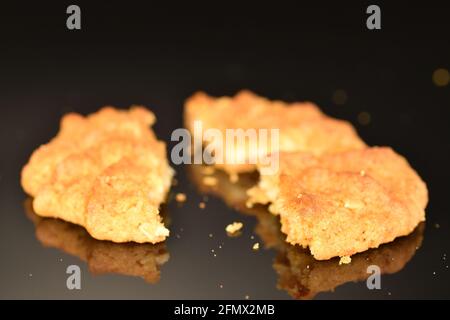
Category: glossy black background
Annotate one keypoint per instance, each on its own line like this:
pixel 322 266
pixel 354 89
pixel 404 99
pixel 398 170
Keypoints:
pixel 157 55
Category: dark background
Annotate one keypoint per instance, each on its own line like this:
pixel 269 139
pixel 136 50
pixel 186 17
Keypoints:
pixel 157 55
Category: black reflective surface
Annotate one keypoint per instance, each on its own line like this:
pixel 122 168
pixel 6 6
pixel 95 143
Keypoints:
pixel 159 56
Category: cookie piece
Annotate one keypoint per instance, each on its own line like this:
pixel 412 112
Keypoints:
pixel 106 172
pixel 299 273
pixel 345 203
pixel 302 127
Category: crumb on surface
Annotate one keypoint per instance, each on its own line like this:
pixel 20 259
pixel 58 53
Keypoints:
pixel 202 205
pixel 345 260
pixel 234 227
pixel 256 246
pixel 180 197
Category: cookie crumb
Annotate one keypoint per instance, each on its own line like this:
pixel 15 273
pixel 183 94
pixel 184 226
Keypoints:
pixel 202 205
pixel 234 227
pixel 180 197
pixel 345 260
pixel 256 246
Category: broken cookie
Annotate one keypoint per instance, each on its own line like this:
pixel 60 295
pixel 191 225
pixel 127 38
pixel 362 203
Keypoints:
pixel 301 127
pixel 299 273
pixel 345 203
pixel 106 172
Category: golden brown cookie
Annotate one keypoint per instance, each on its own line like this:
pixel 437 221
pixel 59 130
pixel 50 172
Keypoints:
pixel 299 273
pixel 302 127
pixel 106 172
pixel 345 203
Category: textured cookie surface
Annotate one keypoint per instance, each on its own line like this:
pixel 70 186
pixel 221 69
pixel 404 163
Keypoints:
pixel 302 127
pixel 345 203
pixel 302 276
pixel 106 172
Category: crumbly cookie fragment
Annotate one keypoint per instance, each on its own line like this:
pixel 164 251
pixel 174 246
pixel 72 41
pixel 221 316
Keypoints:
pixel 302 127
pixel 299 273
pixel 234 227
pixel 106 172
pixel 326 204
pixel 180 197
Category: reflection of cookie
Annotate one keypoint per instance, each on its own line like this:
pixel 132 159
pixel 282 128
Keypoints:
pixel 302 276
pixel 106 172
pixel 342 204
pixel 132 259
pixel 303 127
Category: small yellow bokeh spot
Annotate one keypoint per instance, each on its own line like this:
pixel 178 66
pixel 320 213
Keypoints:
pixel 441 77
pixel 364 118
pixel 339 97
